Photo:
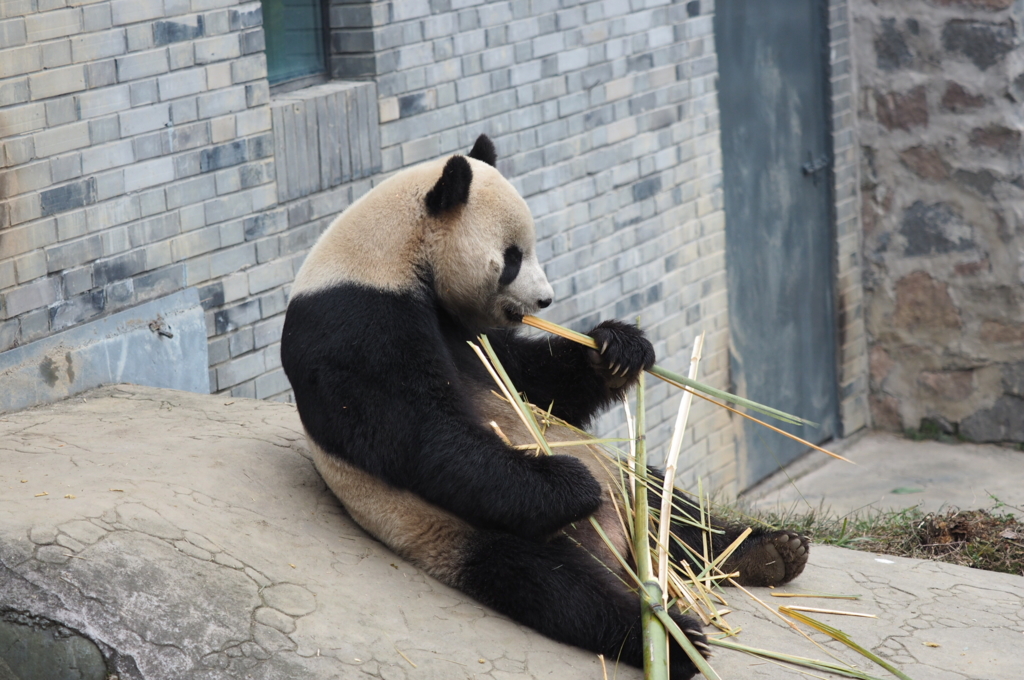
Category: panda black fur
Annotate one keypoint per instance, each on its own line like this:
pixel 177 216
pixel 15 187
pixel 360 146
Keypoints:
pixel 396 407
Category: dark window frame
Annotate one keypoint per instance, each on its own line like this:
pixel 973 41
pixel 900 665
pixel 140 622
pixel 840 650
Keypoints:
pixel 302 82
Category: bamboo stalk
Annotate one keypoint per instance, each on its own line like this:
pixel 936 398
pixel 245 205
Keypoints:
pixel 655 641
pixel 796 660
pixel 665 517
pixel 840 636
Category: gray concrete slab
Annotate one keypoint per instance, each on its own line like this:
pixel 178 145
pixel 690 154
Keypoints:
pixel 189 536
pixel 892 472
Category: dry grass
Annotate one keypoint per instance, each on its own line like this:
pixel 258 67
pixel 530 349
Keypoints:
pixel 990 539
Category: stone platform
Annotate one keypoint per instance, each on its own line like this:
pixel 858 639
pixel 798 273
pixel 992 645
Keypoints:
pixel 163 535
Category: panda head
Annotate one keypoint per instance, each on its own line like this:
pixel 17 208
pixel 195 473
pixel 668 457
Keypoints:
pixel 480 244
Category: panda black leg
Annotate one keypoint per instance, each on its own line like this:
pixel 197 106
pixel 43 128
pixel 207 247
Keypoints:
pixel 560 590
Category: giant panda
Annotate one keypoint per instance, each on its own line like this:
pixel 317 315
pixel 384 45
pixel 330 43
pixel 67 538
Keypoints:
pixel 397 409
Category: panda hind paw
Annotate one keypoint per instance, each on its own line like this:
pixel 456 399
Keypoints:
pixel 773 558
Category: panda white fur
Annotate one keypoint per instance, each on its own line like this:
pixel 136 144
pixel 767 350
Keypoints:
pixel 396 407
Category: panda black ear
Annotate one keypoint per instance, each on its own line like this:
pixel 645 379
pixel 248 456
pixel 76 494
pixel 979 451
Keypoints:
pixel 484 151
pixel 452 189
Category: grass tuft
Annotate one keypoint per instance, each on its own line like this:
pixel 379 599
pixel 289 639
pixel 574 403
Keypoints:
pixel 991 539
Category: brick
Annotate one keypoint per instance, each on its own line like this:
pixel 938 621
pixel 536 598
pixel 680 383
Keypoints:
pixel 60 111
pixel 68 197
pixel 228 207
pixel 77 281
pixel 269 331
pixel 177 30
pixel 149 173
pixel 194 243
pixel 63 168
pixel 156 228
pixel 223 156
pixel 217 49
pixel 252 67
pixel 12 33
pixel 232 260
pixel 253 121
pixel 94 46
pixel 142 65
pixel 119 268
pixel 160 282
pixel 18 240
pixel 96 17
pixel 181 55
pixel 61 139
pixel 32 296
pixel 267 276
pixel 133 11
pixel 104 130
pixel 50 25
pixel 101 73
pixel 239 370
pixel 74 253
pixel 270 384
pixel 30 266
pixel 104 157
pixel 146 119
pixel 182 83
pixel 144 92
pixel 13 91
pixel 71 225
pixel 18 120
pixel 236 317
pixel 57 82
pixel 24 178
pixel 14 62
pixel 189 192
pixel 245 16
pixel 77 310
pixel 222 102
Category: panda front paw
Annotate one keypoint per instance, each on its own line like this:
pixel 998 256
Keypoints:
pixel 571 493
pixel 623 351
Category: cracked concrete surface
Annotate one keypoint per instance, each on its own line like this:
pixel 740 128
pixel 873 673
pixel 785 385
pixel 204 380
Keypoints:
pixel 189 536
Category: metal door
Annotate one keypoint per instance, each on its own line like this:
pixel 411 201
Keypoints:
pixel 776 160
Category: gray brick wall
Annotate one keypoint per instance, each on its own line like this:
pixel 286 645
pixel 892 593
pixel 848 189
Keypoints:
pixel 142 147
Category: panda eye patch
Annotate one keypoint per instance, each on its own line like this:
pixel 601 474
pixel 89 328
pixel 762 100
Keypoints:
pixel 513 261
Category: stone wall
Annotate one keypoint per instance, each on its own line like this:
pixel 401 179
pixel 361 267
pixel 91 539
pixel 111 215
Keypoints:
pixel 941 115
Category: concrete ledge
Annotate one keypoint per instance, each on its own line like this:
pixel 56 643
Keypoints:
pixel 161 343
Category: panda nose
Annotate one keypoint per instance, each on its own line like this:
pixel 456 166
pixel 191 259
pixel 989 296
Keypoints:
pixel 546 302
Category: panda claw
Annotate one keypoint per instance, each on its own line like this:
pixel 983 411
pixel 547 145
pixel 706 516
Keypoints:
pixel 604 347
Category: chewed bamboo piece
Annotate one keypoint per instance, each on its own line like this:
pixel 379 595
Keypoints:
pixel 665 517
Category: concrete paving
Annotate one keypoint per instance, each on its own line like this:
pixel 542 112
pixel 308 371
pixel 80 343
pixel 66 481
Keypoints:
pixel 163 535
pixel 892 472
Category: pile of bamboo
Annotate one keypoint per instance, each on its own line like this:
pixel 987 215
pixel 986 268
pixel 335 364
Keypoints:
pixel 696 593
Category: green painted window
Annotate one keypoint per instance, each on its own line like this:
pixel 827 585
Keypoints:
pixel 295 39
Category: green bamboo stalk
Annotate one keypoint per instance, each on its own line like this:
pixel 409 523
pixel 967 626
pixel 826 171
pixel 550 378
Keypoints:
pixel 840 636
pixel 655 640
pixel 796 660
